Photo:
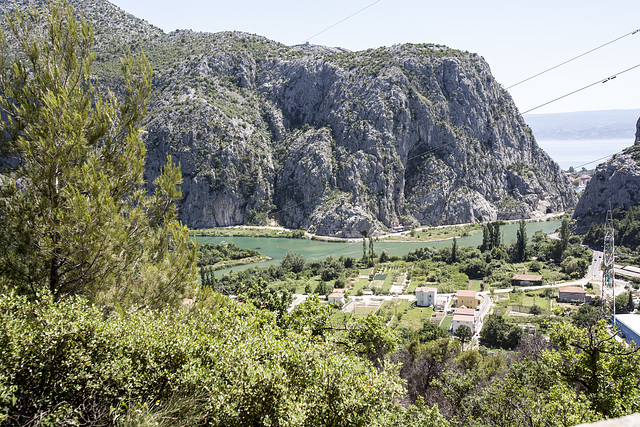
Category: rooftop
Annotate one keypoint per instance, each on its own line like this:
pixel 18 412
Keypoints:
pixel 572 289
pixel 528 277
pixel 462 318
pixel 466 293
pixel 426 289
pixel 632 321
pixel 465 311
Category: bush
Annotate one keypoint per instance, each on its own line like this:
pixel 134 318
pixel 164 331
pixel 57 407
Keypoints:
pixel 66 363
pixel 535 310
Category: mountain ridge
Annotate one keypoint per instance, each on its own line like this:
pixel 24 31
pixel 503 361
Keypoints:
pixel 332 141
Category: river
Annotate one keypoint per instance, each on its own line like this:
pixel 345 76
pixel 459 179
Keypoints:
pixel 276 248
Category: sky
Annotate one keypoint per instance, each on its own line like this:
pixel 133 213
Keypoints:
pixel 517 39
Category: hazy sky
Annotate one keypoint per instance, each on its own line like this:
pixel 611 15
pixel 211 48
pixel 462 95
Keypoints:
pixel 518 39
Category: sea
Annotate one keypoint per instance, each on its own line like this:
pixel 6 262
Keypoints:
pixel 583 153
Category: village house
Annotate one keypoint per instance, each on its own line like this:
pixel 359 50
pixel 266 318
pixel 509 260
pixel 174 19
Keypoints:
pixel 526 280
pixel 464 316
pixel 466 298
pixel 462 319
pixel 572 294
pixel 336 297
pixel 426 296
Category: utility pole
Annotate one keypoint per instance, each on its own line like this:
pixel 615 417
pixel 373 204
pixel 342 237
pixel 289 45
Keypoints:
pixel 608 276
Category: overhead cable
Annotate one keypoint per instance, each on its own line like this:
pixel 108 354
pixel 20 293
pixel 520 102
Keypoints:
pixel 340 22
pixel 605 80
pixel 574 58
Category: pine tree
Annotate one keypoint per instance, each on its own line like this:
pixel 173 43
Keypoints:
pixel 76 217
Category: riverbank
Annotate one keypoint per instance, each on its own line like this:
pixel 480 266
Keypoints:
pixel 422 234
pixel 238 262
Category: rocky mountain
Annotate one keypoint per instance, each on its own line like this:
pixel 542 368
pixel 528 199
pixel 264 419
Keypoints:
pixel 329 140
pixel 615 184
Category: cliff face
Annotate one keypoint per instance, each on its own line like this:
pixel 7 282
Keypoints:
pixel 615 184
pixel 338 142
pixel 333 141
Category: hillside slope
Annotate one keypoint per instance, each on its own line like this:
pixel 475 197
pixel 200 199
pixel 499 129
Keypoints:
pixel 615 184
pixel 331 141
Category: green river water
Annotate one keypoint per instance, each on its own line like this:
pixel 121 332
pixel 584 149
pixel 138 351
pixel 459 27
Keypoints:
pixel 276 248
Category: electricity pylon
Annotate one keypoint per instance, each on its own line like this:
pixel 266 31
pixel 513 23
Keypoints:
pixel 608 276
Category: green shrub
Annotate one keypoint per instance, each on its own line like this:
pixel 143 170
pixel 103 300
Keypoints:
pixel 63 362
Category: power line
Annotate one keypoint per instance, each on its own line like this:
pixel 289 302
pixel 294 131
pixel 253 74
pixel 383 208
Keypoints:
pixel 597 160
pixel 583 88
pixel 340 22
pixel 574 58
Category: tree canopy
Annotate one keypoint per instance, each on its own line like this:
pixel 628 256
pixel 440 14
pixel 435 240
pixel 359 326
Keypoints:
pixel 76 215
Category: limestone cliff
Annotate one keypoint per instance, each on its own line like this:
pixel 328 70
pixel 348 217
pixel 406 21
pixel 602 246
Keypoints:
pixel 615 184
pixel 336 142
pixel 328 140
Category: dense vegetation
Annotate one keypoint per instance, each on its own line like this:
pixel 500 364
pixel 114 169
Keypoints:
pixel 626 223
pixel 95 271
pixel 213 363
pixel 495 262
pixel 212 253
pixel 77 217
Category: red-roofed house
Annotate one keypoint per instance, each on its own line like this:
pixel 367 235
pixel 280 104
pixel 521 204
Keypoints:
pixel 572 294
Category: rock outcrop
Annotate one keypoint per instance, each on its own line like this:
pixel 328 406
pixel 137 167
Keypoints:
pixel 615 184
pixel 329 140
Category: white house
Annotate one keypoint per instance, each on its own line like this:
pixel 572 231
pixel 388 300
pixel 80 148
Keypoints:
pixel 463 319
pixel 336 297
pixel 464 316
pixel 441 302
pixel 426 296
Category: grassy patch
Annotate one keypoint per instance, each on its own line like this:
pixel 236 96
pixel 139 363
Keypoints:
pixel 426 234
pixel 248 232
pixel 416 316
pixel 524 299
pixel 476 285
pixel 446 323
pixel 359 286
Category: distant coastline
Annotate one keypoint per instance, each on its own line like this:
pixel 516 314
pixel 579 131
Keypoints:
pixel 579 153
pixel 582 125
